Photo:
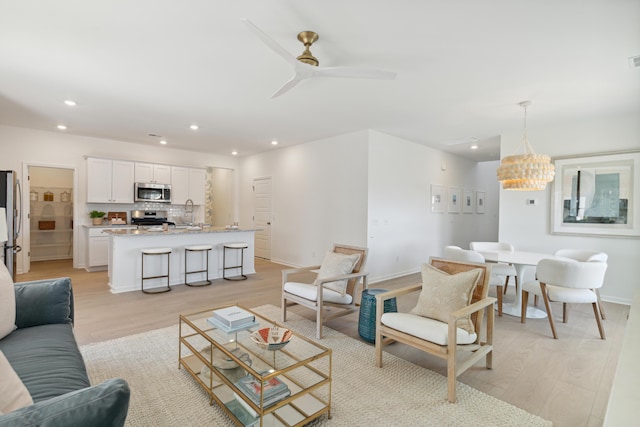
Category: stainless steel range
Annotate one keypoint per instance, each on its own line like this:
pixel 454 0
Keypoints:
pixel 149 218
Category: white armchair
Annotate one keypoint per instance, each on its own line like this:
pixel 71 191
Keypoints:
pixel 566 281
pixel 335 287
pixel 460 331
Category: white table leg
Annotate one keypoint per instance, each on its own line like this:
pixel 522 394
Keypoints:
pixel 515 309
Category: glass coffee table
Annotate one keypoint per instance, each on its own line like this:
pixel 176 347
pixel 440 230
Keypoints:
pixel 253 385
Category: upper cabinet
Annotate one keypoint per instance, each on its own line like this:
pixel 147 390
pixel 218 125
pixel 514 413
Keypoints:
pixel 154 173
pixel 109 181
pixel 187 183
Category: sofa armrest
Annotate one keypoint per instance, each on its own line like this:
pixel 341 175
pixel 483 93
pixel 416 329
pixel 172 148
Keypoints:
pixel 103 405
pixel 43 302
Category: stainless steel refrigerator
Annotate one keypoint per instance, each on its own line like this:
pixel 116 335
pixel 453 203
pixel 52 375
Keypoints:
pixel 11 200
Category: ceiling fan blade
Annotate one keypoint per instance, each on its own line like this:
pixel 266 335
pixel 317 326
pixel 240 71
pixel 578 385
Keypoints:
pixel 269 41
pixel 354 73
pixel 288 85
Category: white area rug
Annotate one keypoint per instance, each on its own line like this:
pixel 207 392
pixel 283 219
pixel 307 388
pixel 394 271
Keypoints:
pixel 399 394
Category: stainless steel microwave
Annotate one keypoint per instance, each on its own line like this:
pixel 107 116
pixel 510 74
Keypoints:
pixel 148 192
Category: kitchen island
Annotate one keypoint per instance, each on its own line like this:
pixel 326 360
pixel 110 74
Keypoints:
pixel 125 245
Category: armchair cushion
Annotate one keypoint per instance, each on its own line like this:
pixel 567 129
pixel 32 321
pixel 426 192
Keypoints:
pixel 13 393
pixel 425 328
pixel 337 264
pixel 310 292
pixel 442 294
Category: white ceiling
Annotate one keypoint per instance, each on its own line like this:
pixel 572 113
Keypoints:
pixel 156 66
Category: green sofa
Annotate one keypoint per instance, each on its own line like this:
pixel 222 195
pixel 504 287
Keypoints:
pixel 43 352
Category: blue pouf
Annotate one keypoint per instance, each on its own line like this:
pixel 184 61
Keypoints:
pixel 367 321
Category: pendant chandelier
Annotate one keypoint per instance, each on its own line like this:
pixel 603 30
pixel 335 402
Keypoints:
pixel 528 171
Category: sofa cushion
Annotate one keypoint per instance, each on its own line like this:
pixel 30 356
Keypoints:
pixel 43 302
pixel 13 394
pixel 337 264
pixel 103 405
pixel 47 360
pixel 7 302
pixel 442 294
pixel 310 292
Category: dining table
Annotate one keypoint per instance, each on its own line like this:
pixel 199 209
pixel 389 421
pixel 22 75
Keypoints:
pixel 520 260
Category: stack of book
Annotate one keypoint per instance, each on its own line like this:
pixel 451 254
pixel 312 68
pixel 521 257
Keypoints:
pixel 231 319
pixel 274 390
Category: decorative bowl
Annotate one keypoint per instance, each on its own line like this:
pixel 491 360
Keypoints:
pixel 272 338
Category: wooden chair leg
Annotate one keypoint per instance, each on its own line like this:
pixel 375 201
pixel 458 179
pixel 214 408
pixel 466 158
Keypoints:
pixel 506 284
pixel 604 317
pixel 284 309
pixel 565 312
pixel 535 300
pixel 499 295
pixel 547 305
pixel 525 301
pixel 598 321
pixel 451 373
pixel 319 323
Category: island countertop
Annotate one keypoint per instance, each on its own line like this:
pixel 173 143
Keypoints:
pixel 158 231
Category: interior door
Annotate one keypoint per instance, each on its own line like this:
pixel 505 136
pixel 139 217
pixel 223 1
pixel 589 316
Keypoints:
pixel 262 217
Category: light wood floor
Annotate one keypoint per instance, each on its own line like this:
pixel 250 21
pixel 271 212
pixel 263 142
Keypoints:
pixel 566 381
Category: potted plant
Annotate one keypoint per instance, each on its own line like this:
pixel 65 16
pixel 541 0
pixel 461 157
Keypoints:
pixel 96 217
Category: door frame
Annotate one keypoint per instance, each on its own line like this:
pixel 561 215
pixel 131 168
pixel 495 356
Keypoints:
pixel 24 261
pixel 253 213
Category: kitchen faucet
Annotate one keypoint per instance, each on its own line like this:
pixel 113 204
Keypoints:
pixel 188 208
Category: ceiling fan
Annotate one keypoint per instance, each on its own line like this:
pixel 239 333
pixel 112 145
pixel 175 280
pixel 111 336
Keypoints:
pixel 306 65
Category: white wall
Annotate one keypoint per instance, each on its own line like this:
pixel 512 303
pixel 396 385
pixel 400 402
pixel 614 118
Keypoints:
pixel 368 189
pixel 402 231
pixel 20 146
pixel 528 227
pixel 319 196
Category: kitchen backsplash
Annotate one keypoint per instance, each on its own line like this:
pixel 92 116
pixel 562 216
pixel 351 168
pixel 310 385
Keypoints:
pixel 175 213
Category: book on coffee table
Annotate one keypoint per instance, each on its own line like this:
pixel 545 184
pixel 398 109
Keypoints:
pixel 274 390
pixel 224 328
pixel 233 317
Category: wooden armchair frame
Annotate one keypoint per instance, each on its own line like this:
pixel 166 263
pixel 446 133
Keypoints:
pixel 320 306
pixel 479 349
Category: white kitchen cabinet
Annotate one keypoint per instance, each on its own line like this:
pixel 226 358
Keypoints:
pixel 187 183
pixel 154 173
pixel 109 181
pixel 197 179
pixel 98 248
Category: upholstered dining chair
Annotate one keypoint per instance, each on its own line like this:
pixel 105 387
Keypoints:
pixel 586 256
pixel 459 254
pixel 498 268
pixel 566 281
pixel 447 319
pixel 333 292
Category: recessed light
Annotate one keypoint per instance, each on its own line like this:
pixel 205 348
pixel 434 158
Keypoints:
pixel 234 153
pixel 274 142
pixel 474 147
pixel 70 102
pixel 194 127
pixel 163 142
pixel 62 127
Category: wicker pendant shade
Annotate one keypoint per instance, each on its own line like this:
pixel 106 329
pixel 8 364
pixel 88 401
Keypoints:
pixel 528 171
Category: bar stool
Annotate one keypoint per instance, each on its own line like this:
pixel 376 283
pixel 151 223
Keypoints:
pixel 197 248
pixel 238 245
pixel 156 252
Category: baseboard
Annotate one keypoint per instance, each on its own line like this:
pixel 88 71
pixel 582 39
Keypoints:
pixel 616 300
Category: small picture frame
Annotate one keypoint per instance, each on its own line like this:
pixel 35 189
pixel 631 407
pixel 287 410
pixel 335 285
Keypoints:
pixel 467 202
pixel 454 200
pixel 480 202
pixel 437 198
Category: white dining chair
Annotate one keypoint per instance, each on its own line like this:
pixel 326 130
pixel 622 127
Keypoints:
pixel 566 281
pixel 500 268
pixel 586 256
pixel 458 254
